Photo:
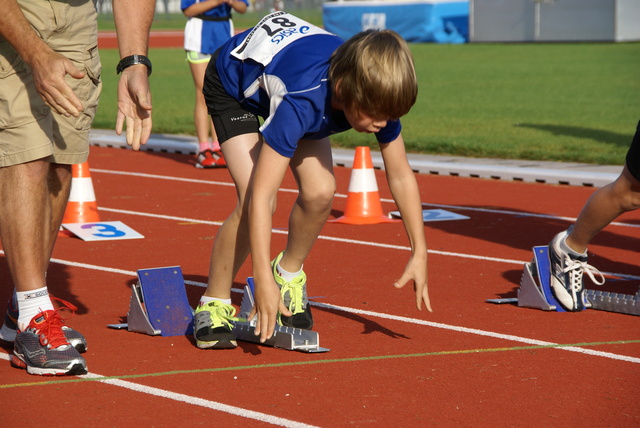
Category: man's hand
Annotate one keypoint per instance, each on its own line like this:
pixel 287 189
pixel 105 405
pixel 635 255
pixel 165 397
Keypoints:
pixel 134 106
pixel 49 69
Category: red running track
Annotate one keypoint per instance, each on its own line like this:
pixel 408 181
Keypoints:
pixel 469 363
pixel 157 39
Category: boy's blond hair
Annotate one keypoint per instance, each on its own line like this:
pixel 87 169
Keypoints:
pixel 373 73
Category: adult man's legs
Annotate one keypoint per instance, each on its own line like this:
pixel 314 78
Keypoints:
pixel 25 216
pixel 28 233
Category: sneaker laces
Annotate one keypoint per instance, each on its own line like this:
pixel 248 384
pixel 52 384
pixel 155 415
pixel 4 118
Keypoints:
pixel 295 289
pixel 65 305
pixel 49 331
pixel 223 314
pixel 576 269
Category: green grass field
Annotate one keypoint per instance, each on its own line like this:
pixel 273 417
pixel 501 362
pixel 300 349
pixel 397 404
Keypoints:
pixel 566 102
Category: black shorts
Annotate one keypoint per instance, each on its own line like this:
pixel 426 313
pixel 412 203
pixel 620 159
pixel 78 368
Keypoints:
pixel 633 155
pixel 230 119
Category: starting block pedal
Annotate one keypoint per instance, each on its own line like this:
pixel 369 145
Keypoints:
pixel 159 305
pixel 290 338
pixel 535 286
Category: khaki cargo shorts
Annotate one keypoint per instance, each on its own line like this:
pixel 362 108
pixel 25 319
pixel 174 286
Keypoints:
pixel 29 129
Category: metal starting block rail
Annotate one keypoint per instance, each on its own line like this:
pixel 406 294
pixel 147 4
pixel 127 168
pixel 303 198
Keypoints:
pixel 289 338
pixel 614 302
pixel 159 305
pixel 535 291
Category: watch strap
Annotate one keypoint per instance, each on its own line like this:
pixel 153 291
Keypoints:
pixel 134 60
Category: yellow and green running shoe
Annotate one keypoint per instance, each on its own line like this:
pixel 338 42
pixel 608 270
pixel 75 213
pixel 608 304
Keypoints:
pixel 294 295
pixel 212 326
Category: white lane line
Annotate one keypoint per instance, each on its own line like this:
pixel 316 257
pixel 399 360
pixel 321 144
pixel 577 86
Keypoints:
pixel 350 241
pixel 479 332
pixel 189 399
pixel 213 405
pixel 518 213
pixel 341 195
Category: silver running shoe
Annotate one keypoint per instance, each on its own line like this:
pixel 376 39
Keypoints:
pixel 8 330
pixel 567 272
pixel 43 350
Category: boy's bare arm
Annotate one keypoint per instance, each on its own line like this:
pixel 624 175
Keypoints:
pixel 404 188
pixel 270 170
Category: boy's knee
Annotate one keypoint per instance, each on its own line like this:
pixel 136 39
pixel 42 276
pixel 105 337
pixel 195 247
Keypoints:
pixel 320 198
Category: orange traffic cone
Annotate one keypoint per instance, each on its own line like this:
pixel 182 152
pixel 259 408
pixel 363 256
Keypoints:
pixel 363 199
pixel 82 206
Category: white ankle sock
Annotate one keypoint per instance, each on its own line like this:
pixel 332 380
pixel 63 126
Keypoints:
pixel 286 275
pixel 568 249
pixel 30 304
pixel 206 299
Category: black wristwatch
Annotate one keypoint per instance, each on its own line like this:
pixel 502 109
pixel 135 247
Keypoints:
pixel 133 60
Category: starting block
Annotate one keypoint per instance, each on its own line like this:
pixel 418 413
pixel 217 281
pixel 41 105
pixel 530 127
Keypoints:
pixel 290 338
pixel 535 286
pixel 159 305
pixel 535 291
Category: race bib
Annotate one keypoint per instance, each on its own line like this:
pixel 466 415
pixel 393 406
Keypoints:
pixel 272 34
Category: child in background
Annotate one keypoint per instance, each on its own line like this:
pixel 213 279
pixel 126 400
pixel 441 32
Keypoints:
pixel 208 27
pixel 307 84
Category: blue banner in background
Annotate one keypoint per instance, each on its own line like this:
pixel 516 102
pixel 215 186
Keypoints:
pixel 436 21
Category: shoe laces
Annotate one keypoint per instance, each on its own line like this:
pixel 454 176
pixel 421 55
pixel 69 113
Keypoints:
pixel 295 288
pixel 222 314
pixel 576 269
pixel 49 330
pixel 65 305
